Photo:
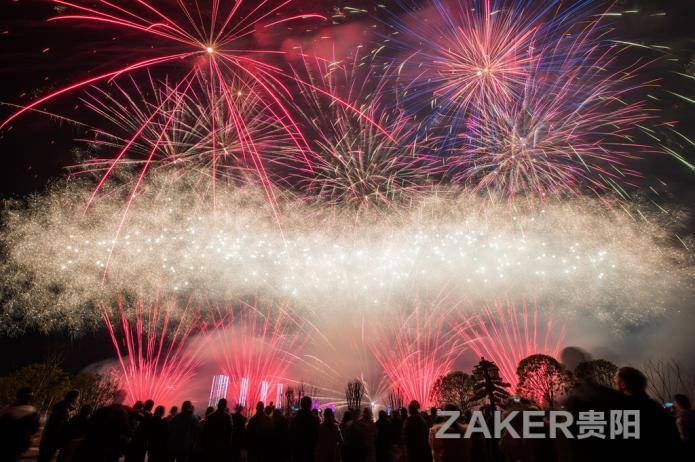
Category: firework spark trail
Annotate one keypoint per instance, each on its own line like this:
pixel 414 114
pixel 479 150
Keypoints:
pixel 505 334
pixel 416 349
pixel 577 256
pixel 256 346
pixel 155 360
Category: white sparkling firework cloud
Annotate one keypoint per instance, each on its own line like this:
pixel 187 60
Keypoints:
pixel 581 257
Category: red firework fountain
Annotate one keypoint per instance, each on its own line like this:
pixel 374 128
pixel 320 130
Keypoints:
pixel 155 361
pixel 505 334
pixel 416 349
pixel 255 350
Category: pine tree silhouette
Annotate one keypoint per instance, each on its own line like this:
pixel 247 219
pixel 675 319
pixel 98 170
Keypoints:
pixel 489 384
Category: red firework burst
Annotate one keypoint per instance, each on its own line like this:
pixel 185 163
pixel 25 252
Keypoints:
pixel 154 356
pixel 255 347
pixel 416 349
pixel 505 334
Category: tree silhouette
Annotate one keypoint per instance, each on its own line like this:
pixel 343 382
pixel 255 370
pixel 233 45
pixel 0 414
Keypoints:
pixel 542 379
pixel 488 384
pixel 456 387
pixel 598 371
pixel 354 393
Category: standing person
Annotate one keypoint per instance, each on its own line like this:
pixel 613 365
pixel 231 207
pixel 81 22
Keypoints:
pixel 55 432
pixel 238 433
pixel 658 438
pixel 18 423
pixel 304 432
pixel 108 433
pixel 172 413
pixel 685 420
pixel 217 434
pixel 141 418
pixel 347 452
pixel 330 439
pixel 416 436
pixel 384 438
pixel 157 434
pixel 77 429
pixel 183 431
pixel 259 433
pixel 281 437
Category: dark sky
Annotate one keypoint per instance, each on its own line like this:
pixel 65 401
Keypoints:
pixel 37 56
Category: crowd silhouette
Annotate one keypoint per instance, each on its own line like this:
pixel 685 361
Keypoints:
pixel 146 432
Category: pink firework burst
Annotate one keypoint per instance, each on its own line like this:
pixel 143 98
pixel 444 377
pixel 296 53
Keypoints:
pixel 417 348
pixel 155 358
pixel 506 334
pixel 199 46
pixel 255 347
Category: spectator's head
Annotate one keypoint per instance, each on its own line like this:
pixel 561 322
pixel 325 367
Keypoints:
pixel 149 404
pixel 72 396
pixel 119 397
pixel 239 409
pixel 433 412
pixel 347 416
pixel 630 381
pixel 404 412
pixel 187 407
pixel 305 403
pixel 413 407
pixel 681 402
pixel 277 412
pixel 269 409
pixel 383 415
pixel 222 405
pixel 328 415
pixel 159 412
pixel 367 414
pixel 138 405
pixel 174 410
pixel 25 396
pixel 209 410
pixel 259 407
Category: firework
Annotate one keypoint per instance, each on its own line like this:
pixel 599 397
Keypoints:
pixel 577 256
pixel 186 132
pixel 505 334
pixel 362 156
pixel 338 353
pixel 256 346
pixel 527 99
pixel 151 343
pixel 199 47
pixel 416 348
pixel 465 53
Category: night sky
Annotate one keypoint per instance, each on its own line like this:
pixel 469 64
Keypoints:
pixel 38 56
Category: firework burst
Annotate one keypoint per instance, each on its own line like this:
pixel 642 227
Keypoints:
pixel 361 153
pixel 186 133
pixel 525 99
pixel 505 334
pixel 199 46
pixel 416 348
pixel 256 346
pixel 151 343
